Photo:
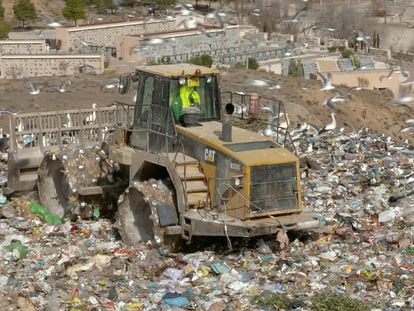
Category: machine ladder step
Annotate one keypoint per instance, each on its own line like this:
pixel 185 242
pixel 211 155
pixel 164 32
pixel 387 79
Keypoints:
pixel 181 159
pixel 197 199
pixel 193 179
pixel 190 172
pixel 195 186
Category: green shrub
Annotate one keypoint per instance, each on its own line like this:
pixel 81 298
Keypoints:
pixel 332 49
pixel 203 60
pixel 357 64
pixel 239 65
pixel 330 301
pixel 276 301
pixel 346 53
pixel 296 68
pixel 252 62
pixel 4 29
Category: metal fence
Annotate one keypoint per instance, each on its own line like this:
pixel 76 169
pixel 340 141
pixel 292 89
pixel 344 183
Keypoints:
pixel 45 130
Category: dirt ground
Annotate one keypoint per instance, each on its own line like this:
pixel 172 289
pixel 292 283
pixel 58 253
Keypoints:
pixel 303 100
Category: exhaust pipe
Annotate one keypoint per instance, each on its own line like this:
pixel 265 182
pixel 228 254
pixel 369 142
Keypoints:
pixel 227 122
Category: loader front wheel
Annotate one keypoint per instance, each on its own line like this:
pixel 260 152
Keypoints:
pixel 138 222
pixel 133 218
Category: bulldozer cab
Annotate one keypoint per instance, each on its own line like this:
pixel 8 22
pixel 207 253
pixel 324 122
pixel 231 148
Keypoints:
pixel 182 94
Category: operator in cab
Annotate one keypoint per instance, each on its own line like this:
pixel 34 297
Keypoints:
pixel 185 97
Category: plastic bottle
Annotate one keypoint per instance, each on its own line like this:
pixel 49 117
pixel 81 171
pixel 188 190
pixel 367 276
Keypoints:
pixel 39 209
pixel 386 216
pixel 17 248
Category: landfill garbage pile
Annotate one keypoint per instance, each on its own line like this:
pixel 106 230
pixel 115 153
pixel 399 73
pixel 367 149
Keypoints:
pixel 361 185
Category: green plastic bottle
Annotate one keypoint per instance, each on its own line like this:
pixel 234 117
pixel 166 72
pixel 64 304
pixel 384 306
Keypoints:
pixel 39 209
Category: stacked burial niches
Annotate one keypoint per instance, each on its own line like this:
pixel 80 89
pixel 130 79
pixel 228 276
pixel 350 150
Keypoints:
pixel 126 41
pixel 23 58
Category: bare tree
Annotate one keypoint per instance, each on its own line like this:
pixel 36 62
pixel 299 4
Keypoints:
pixel 240 8
pixel 346 21
pixel 401 7
pixel 381 8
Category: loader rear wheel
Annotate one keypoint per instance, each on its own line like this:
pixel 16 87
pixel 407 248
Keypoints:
pixel 138 222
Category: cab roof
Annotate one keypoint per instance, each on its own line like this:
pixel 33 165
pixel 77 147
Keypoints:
pixel 176 70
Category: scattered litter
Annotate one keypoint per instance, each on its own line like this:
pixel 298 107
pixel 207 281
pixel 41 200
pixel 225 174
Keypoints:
pixel 362 258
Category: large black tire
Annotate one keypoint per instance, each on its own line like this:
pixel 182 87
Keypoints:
pixel 133 218
pixel 53 187
pixel 137 219
pixel 62 175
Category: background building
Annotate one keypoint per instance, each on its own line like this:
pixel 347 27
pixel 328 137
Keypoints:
pixel 104 35
pixel 23 47
pixel 177 46
pixel 24 66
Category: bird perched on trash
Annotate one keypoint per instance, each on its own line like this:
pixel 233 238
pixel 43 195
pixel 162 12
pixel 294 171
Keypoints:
pixel 68 121
pixel 305 128
pixel 284 124
pixel 327 82
pixel 329 127
pixel 92 117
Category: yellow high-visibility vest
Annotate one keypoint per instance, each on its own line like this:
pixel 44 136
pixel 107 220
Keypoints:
pixel 189 96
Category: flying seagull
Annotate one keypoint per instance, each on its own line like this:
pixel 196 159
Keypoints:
pixel 403 101
pixel 219 16
pixel 52 22
pixel 295 19
pixel 85 66
pixel 200 27
pixel 332 101
pixel 255 12
pixel 409 122
pixel 361 37
pixel 34 90
pixel 327 82
pixel 186 9
pixel 407 129
pixel 114 84
pixel 261 83
pixel 393 68
pixel 63 87
pixel 4 110
pixel 340 97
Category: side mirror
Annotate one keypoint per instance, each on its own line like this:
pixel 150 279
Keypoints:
pixel 124 83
